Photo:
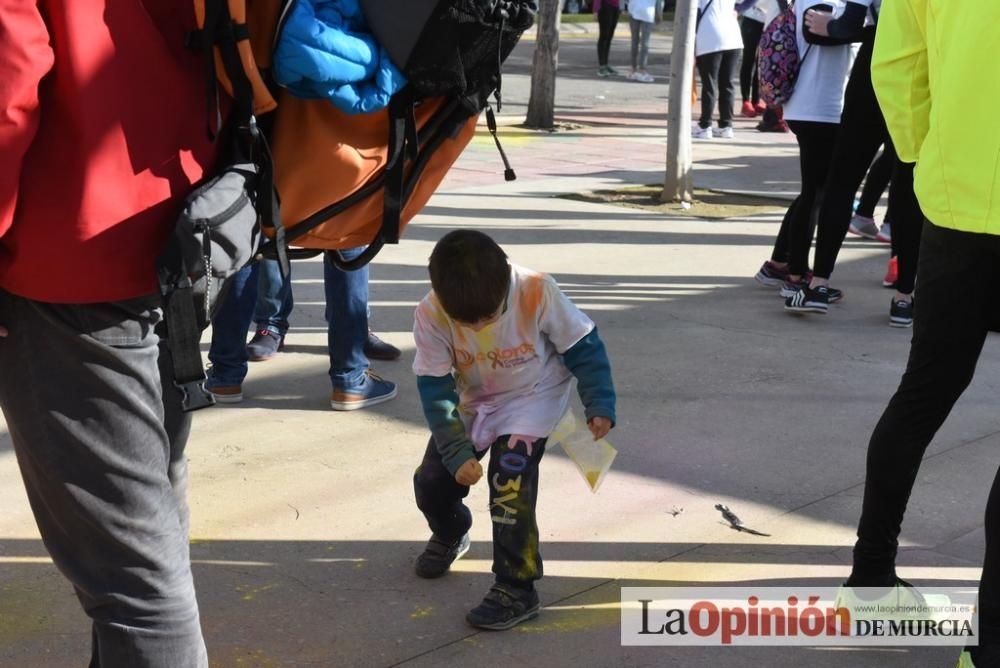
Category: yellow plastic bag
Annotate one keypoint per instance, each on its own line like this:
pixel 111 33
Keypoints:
pixel 592 458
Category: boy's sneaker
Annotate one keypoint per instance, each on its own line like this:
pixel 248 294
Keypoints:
pixel 226 394
pixel 373 390
pixel 377 349
pixel 642 76
pixel 863 226
pixel 602 71
pixel 771 275
pixel 699 132
pixel 809 300
pixel 901 313
pixel 264 345
pixel 504 607
pixel 748 110
pixel 439 555
pixel 723 133
pixel 612 71
pixel 885 233
pixel 891 274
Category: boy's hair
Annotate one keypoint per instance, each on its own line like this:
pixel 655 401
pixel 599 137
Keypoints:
pixel 470 275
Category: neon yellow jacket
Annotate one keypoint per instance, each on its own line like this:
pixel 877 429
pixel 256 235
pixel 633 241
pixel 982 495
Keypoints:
pixel 937 80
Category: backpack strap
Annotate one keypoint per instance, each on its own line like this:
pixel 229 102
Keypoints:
pixel 442 126
pixel 243 142
pixel 701 15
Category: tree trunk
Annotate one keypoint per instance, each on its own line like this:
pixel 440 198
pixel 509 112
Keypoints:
pixel 677 181
pixel 542 101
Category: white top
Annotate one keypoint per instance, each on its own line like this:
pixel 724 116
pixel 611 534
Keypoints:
pixel 510 376
pixel 819 89
pixel 719 29
pixel 642 10
pixel 755 12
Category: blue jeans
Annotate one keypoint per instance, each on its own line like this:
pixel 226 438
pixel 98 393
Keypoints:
pixel 346 306
pixel 228 352
pixel 347 321
pixel 274 298
pixel 100 443
pixel 256 293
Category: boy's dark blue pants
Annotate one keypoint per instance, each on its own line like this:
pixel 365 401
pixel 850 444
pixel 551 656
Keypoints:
pixel 512 477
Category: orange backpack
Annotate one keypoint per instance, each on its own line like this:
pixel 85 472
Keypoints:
pixel 344 180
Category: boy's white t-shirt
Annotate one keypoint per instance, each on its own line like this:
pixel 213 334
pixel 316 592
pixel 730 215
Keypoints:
pixel 642 10
pixel 510 375
pixel 719 29
pixel 822 80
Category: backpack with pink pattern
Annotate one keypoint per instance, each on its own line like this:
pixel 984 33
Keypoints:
pixel 778 60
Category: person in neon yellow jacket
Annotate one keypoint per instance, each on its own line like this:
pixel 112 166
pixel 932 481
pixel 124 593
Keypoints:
pixel 937 82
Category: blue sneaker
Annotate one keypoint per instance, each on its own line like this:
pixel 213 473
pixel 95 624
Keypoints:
pixel 264 345
pixel 372 390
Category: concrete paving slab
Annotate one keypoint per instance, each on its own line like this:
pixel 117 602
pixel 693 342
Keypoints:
pixel 304 531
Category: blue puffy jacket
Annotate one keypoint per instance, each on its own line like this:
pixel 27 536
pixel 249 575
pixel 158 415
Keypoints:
pixel 325 51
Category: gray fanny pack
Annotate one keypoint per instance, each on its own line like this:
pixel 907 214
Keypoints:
pixel 217 234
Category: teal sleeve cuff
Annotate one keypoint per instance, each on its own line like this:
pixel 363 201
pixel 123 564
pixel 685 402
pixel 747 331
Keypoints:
pixel 439 399
pixel 588 361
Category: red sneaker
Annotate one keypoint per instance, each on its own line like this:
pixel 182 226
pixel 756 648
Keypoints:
pixel 761 107
pixel 891 274
pixel 748 110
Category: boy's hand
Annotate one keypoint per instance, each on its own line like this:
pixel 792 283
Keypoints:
pixel 599 427
pixel 469 473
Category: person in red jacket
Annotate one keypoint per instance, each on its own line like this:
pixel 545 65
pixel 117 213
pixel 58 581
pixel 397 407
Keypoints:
pixel 102 133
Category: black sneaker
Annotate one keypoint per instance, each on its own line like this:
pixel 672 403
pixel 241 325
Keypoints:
pixel 504 607
pixel 789 287
pixel 439 555
pixel 377 349
pixel 808 300
pixel 264 345
pixel 901 313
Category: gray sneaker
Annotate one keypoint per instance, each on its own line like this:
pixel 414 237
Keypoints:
pixel 863 226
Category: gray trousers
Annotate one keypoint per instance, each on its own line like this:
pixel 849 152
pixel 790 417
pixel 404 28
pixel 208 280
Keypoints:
pixel 641 31
pixel 99 438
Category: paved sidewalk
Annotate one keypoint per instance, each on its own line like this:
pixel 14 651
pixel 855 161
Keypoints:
pixel 303 522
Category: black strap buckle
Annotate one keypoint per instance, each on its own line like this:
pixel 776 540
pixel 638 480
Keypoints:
pixel 194 395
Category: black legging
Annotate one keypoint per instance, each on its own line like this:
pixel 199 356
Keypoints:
pixel 607 21
pixel 907 221
pixel 862 131
pixel 816 145
pixel 876 182
pixel 956 306
pixel 749 82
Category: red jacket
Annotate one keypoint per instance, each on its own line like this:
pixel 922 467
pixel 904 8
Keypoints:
pixel 102 133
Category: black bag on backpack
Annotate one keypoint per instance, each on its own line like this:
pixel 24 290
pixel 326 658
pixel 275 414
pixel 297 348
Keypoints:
pixel 449 48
